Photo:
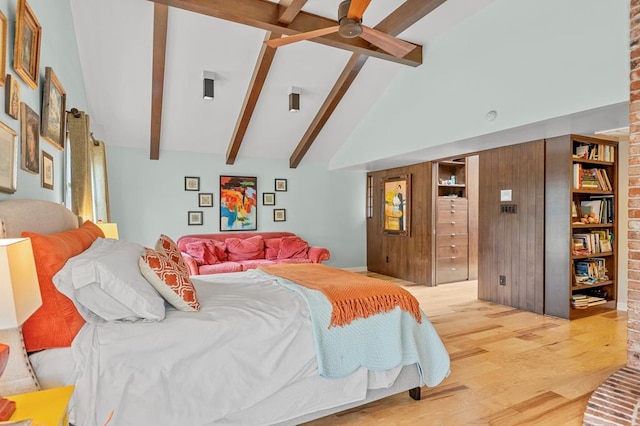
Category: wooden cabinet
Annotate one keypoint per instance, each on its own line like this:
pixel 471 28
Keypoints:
pixel 452 222
pixel 580 226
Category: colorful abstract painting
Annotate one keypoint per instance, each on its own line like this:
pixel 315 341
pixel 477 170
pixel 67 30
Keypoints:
pixel 238 203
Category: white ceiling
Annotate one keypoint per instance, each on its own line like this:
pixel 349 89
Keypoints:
pixel 115 47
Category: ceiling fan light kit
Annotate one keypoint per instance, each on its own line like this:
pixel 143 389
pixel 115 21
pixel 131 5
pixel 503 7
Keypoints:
pixel 349 27
pixel 294 99
pixel 207 85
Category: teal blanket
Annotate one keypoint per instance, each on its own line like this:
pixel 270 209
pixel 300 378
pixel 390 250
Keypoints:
pixel 377 343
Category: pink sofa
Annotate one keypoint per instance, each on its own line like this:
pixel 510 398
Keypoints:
pixel 238 251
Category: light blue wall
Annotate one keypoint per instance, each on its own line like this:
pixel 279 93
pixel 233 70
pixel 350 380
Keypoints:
pixel 59 51
pixel 148 198
pixel 530 60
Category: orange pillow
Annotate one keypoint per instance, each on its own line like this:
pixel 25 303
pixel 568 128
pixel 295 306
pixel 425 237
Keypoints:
pixel 293 248
pixel 245 249
pixel 56 322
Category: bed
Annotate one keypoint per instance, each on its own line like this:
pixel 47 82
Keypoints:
pixel 248 356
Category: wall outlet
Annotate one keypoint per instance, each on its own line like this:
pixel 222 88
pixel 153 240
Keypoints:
pixel 503 280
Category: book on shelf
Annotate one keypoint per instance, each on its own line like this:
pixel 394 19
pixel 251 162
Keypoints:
pixel 593 151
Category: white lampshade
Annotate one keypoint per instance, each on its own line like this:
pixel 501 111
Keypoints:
pixel 19 289
pixel 110 230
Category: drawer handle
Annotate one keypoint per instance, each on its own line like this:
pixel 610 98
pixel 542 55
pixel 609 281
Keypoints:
pixel 453 269
pixel 453 246
pixel 453 257
pixel 453 211
pixel 453 223
pixel 453 235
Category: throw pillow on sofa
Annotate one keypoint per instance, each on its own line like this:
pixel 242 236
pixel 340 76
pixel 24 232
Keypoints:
pixel 203 252
pixel 245 249
pixel 271 248
pixel 293 248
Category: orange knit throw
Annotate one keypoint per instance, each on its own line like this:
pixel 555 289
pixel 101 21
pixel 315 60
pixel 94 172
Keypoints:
pixel 351 295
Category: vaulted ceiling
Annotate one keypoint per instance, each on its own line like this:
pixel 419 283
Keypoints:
pixel 143 64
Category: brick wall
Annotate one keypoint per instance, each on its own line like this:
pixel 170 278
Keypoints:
pixel 633 342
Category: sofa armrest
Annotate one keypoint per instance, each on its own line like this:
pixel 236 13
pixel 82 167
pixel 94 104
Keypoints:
pixel 192 266
pixel 318 254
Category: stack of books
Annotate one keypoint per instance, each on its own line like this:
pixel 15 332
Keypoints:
pixel 583 301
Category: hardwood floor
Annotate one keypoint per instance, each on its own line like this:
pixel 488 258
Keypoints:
pixel 508 367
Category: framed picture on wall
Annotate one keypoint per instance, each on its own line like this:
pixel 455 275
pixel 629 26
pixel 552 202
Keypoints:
pixel 281 184
pixel 12 97
pixel 397 205
pixel 26 54
pixel 8 159
pixel 205 199
pixel 191 183
pixel 53 107
pixel 279 215
pixel 268 199
pixel 238 203
pixel 47 170
pixel 3 46
pixel 30 139
pixel 195 218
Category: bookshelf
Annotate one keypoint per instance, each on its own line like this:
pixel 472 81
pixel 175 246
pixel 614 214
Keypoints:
pixel 581 232
pixel 452 221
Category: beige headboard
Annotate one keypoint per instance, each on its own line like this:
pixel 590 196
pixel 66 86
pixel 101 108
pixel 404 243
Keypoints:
pixel 43 217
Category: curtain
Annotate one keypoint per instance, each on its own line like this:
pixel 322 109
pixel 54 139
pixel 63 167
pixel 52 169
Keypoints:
pixel 88 194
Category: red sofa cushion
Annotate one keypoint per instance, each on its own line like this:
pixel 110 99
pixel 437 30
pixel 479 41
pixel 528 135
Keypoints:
pixel 203 252
pixel 271 248
pixel 293 248
pixel 245 249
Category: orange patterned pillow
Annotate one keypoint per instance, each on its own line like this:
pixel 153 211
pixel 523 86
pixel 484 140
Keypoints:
pixel 170 248
pixel 57 321
pixel 170 281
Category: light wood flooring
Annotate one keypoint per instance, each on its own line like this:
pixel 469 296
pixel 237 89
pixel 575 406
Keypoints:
pixel 508 367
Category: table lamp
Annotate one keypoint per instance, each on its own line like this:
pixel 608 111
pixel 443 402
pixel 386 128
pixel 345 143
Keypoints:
pixel 110 230
pixel 19 299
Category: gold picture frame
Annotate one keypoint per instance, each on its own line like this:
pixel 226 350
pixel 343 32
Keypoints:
pixel 12 97
pixel 30 139
pixel 3 46
pixel 47 170
pixel 54 102
pixel 26 54
pixel 8 159
pixel 396 197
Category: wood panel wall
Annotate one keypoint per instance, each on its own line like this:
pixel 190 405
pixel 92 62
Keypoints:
pixel 512 245
pixel 408 258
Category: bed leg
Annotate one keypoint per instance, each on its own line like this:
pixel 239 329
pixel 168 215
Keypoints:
pixel 415 393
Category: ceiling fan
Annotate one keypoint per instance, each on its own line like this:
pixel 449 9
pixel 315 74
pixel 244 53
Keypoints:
pixel 350 26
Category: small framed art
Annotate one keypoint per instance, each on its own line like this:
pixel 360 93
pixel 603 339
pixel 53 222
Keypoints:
pixel 30 139
pixel 195 218
pixel 191 183
pixel 3 46
pixel 279 215
pixel 8 159
pixel 53 107
pixel 281 185
pixel 205 199
pixel 26 55
pixel 268 199
pixel 12 96
pixel 47 170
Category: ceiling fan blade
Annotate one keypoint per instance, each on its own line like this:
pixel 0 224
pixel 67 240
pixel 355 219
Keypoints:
pixel 395 46
pixel 357 8
pixel 282 41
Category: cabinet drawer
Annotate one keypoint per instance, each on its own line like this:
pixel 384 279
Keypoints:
pixel 447 216
pixel 455 239
pixel 452 227
pixel 452 272
pixel 453 250
pixel 446 203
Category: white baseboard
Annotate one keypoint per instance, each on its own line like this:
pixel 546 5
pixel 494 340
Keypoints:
pixel 622 307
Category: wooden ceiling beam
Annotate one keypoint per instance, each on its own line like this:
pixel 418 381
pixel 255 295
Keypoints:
pixel 160 19
pixel 266 15
pixel 260 72
pixel 410 12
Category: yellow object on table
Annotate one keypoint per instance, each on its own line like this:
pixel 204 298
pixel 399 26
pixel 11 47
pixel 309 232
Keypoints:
pixel 46 407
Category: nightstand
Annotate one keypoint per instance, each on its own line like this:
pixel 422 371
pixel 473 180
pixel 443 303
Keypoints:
pixel 46 407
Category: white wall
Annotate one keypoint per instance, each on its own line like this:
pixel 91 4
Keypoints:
pixel 59 51
pixel 148 198
pixel 530 60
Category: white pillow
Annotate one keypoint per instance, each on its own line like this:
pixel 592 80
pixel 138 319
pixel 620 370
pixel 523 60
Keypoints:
pixel 106 284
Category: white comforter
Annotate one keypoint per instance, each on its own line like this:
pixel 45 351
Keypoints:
pixel 249 340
